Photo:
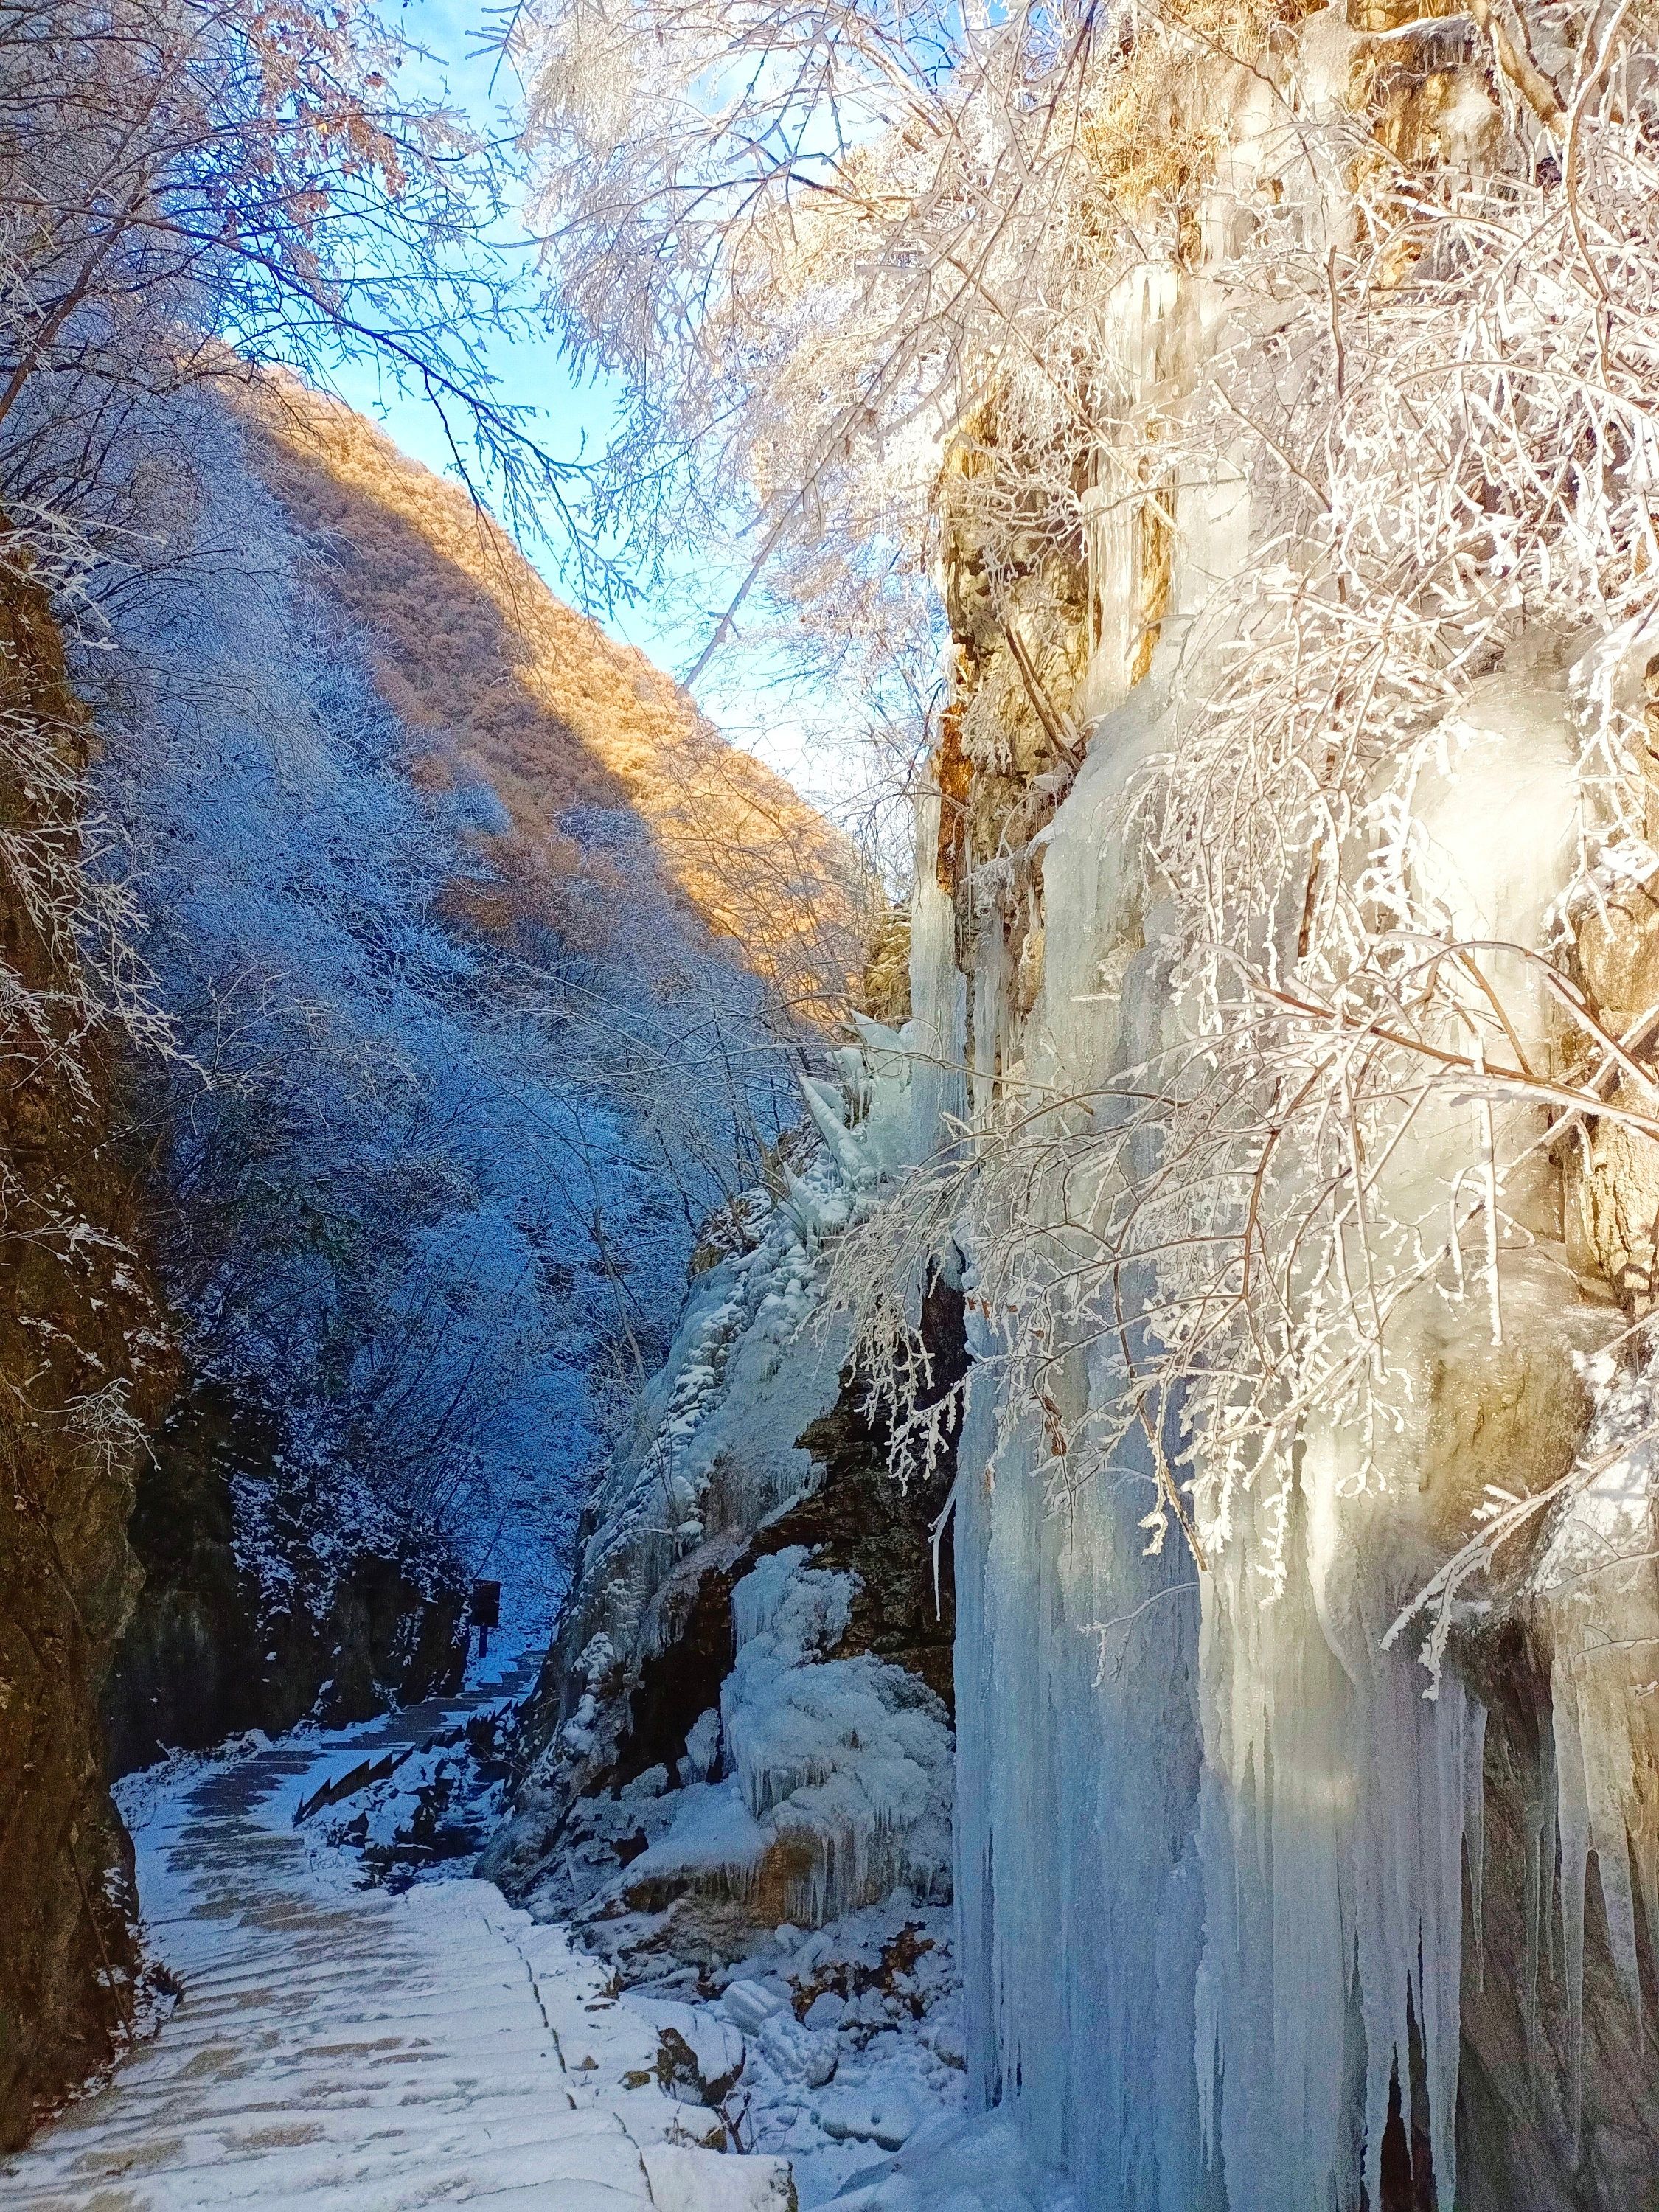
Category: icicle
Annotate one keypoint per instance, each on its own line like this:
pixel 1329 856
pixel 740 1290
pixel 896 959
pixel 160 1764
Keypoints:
pixel 1574 1818
pixel 1597 1594
pixel 1474 1829
pixel 936 1035
pixel 990 986
pixel 825 1105
pixel 1542 1956
pixel 1646 1851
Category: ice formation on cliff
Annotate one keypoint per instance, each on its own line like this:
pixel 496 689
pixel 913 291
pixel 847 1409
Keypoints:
pixel 840 1766
pixel 827 1772
pixel 1215 1823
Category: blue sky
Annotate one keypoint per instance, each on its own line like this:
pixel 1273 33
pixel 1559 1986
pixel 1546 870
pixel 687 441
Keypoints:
pixel 742 694
pixel 529 370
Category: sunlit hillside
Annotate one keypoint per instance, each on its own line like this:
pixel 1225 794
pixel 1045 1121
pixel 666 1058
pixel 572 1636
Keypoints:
pixel 518 690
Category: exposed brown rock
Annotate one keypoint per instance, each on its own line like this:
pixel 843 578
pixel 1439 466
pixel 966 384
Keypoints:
pixel 82 1364
pixel 1515 2128
pixel 203 1655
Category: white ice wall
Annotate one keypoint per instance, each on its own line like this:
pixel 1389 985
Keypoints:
pixel 1210 1847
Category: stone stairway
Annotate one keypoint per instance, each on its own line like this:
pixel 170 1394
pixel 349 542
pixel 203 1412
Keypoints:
pixel 349 2050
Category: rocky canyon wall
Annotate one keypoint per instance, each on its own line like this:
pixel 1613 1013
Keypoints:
pixel 85 1365
pixel 745 1718
pixel 1297 961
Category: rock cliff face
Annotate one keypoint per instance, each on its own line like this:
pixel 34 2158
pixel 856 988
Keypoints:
pixel 356 1623
pixel 744 1721
pixel 85 1366
pixel 1315 1683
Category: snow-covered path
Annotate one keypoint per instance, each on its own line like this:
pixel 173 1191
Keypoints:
pixel 355 2051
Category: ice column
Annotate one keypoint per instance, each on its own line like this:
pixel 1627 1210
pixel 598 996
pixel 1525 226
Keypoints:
pixel 937 1033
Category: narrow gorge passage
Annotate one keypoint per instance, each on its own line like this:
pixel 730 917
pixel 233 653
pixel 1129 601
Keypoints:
pixel 1019 1216
pixel 353 2048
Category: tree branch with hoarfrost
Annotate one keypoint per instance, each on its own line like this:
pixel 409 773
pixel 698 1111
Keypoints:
pixel 190 193
pixel 1268 394
pixel 806 247
pixel 829 259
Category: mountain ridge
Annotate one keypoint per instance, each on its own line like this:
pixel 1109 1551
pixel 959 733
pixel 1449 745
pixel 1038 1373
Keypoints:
pixel 521 691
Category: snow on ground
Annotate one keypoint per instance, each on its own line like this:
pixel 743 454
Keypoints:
pixel 364 2026
pixel 853 2041
pixel 829 2047
pixel 363 2049
pixel 977 2165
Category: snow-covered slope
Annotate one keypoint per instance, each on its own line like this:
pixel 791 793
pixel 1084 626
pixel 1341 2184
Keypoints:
pixel 498 680
pixel 432 1155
